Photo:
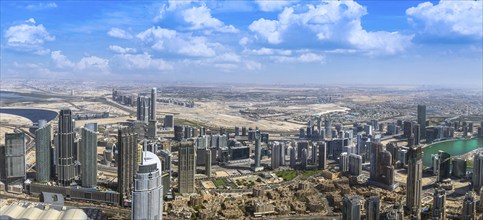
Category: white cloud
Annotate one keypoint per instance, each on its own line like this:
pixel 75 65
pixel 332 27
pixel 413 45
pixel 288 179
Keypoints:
pixel 92 63
pixel 28 36
pixel 201 18
pixel 302 58
pixel 269 51
pixel 166 40
pixel 330 22
pixel 268 29
pixel 243 41
pixel 41 6
pixel 253 65
pixel 141 61
pixel 273 5
pixel 119 33
pixel 448 18
pixel 119 49
pixel 228 57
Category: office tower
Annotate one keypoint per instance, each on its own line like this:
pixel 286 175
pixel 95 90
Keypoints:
pixel 328 128
pixel 143 109
pixel 12 158
pixel 458 169
pixel 152 114
pixel 375 166
pixel 411 141
pixel 319 126
pixel 208 162
pixel 313 154
pixel 469 207
pixel 444 166
pixel 258 149
pixel 351 208
pixel 372 207
pixel 417 134
pixel 293 159
pixel 408 129
pixel 470 128
pixel 344 162
pixel 168 121
pixel 300 146
pixel 186 167
pixel 422 120
pixel 414 182
pixel 439 200
pixel 303 159
pixel 355 164
pixel 464 128
pixel 147 196
pixel 65 148
pixel 126 162
pixel 478 171
pixel 152 129
pixel 322 155
pixel 276 156
pixel 381 170
pixel 368 129
pixel 42 151
pixel 88 148
pixel 237 131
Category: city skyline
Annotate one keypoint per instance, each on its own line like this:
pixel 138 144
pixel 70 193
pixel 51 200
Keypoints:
pixel 286 42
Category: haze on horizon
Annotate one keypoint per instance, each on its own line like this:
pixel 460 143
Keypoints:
pixel 263 42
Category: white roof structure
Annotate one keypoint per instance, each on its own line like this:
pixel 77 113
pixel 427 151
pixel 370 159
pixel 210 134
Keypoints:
pixel 32 213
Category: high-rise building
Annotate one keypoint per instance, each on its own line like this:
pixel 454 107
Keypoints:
pixel 293 159
pixel 147 196
pixel 208 158
pixel 65 149
pixel 42 151
pixel 328 128
pixel 143 112
pixel 439 204
pixel 478 171
pixel 344 162
pixel 126 162
pixel 152 129
pixel 417 134
pixel 414 182
pixel 322 155
pixel 351 208
pixel 355 164
pixel 422 120
pixel 458 168
pixel 469 207
pixel 444 166
pixel 372 207
pixel 303 159
pixel 152 107
pixel 258 149
pixel 88 157
pixel 168 121
pixel 396 212
pixel 12 158
pixel 186 167
pixel 276 156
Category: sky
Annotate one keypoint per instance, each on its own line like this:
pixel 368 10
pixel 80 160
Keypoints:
pixel 262 42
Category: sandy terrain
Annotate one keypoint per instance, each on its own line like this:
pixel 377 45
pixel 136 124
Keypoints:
pixel 4 130
pixel 101 121
pixel 99 107
pixel 14 120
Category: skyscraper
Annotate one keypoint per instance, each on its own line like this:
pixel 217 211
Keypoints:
pixel 372 207
pixel 351 208
pixel 186 167
pixel 143 112
pixel 469 207
pixel 414 182
pixel 444 166
pixel 478 171
pixel 322 155
pixel 12 158
pixel 439 200
pixel 147 196
pixel 355 164
pixel 152 114
pixel 276 156
pixel 42 151
pixel 258 149
pixel 126 162
pixel 65 150
pixel 328 128
pixel 422 120
pixel 208 162
pixel 169 121
pixel 344 162
pixel 88 157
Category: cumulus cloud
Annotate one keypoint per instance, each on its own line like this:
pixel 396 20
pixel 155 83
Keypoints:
pixel 331 22
pixel 119 49
pixel 302 58
pixel 273 5
pixel 201 18
pixel 92 63
pixel 28 36
pixel 119 33
pixel 448 18
pixel 270 51
pixel 166 40
pixel 141 61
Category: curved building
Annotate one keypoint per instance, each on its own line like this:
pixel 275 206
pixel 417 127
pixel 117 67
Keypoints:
pixel 147 197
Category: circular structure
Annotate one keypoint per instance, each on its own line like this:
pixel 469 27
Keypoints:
pixel 452 147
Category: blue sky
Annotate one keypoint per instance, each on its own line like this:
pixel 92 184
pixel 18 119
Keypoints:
pixel 322 42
